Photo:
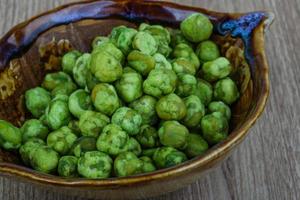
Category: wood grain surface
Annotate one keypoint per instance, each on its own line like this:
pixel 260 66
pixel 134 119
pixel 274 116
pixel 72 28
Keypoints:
pixel 267 164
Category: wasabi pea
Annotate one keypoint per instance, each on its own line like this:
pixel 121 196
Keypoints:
pixel 195 111
pixel 107 47
pixel 226 90
pixel 44 159
pixel 53 80
pixel 79 102
pixel 207 51
pixel 133 146
pixel 67 166
pixel 148 137
pixel 127 164
pixel 81 70
pixel 10 136
pixel 145 43
pixel 141 62
pixel 69 60
pixel 187 84
pixel 196 145
pixel 167 157
pixel 216 69
pixel 219 106
pixel 122 37
pixel 82 145
pixel 34 129
pixel 204 91
pixel 148 165
pixel 64 89
pixel 185 51
pixel 161 62
pixel 183 65
pixel 28 148
pixel 98 41
pixel 37 100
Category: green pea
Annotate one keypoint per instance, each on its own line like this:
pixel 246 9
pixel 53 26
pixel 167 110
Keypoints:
pixel 195 111
pixel 161 62
pixel 216 69
pixel 173 134
pixel 127 164
pixel 183 65
pixel 10 136
pixel 81 70
pixel 92 123
pixel 196 27
pixel 141 62
pixel 214 127
pixel 61 140
pixel 109 48
pixel 171 107
pixel 82 145
pixel 208 51
pixel 98 41
pixel 67 166
pixel 112 140
pixel 128 119
pixel 160 82
pixel 69 60
pixel 167 157
pixel 44 159
pixel 58 114
pixel 145 43
pixel 53 80
pixel 122 37
pixel 226 90
pixel 64 89
pixel 196 145
pixel 133 146
pixel 95 165
pixel 148 165
pixel 185 51
pixel 28 148
pixel 148 137
pixel 34 129
pixel 37 100
pixel 145 106
pixel 105 98
pixel 129 87
pixel 204 91
pixel 219 106
pixel 186 86
pixel 79 102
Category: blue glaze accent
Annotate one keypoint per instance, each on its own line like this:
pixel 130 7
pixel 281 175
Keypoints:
pixel 243 28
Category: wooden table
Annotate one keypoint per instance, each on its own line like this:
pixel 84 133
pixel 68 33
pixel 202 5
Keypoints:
pixel 267 164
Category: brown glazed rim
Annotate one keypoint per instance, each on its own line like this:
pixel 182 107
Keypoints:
pixel 199 163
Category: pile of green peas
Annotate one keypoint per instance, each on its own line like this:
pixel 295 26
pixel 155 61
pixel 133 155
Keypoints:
pixel 142 100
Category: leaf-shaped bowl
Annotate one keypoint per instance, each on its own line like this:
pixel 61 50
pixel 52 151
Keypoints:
pixel 34 47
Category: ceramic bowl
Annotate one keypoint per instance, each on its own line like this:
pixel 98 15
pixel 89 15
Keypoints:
pixel 34 48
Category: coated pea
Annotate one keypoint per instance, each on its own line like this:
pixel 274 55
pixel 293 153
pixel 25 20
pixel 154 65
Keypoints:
pixel 141 62
pixel 122 37
pixel 183 65
pixel 34 129
pixel 28 148
pixel 79 102
pixel 82 145
pixel 148 165
pixel 44 159
pixel 148 137
pixel 216 69
pixel 195 111
pixel 204 91
pixel 69 60
pixel 196 145
pixel 186 86
pixel 145 43
pixel 10 136
pixel 185 51
pixel 67 166
pixel 37 100
pixel 208 51
pixel 219 106
pixel 127 164
pixel 226 90
pixel 161 62
pixel 53 80
pixel 167 157
pixel 81 70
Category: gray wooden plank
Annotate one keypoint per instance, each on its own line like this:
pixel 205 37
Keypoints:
pixel 266 165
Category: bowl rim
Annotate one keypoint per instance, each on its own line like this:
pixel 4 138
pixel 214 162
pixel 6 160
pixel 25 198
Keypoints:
pixel 215 153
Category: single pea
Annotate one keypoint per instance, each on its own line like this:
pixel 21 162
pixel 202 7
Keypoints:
pixel 216 69
pixel 167 157
pixel 185 51
pixel 28 148
pixel 196 145
pixel 91 82
pixel 34 128
pixel 53 80
pixel 79 102
pixel 160 82
pixel 105 67
pixel 177 38
pixel 105 98
pixel 74 126
pixel 141 62
pixel 82 145
pixel 98 41
pixel 148 152
pixel 127 164
pixel 148 165
pixel 91 123
pixel 112 140
pixel 128 119
pixel 61 140
pixel 219 106
pixel 133 146
pixel 81 70
pixel 171 107
pixel 128 69
pixel 109 48
pixel 214 127
pixel 173 134
pixel 10 136
pixel 207 51
pixel 161 36
pixel 64 89
pixel 196 27
pixel 129 86
pixel 58 114
pixel 95 165
pixel 186 86
pixel 67 166
pixel 161 62
pixel 204 91
pixel 145 43
pixel 69 60
pixel 145 106
pixel 183 65
pixel 195 111
pixel 148 137
pixel 44 159
pixel 226 90
pixel 37 100
pixel 122 37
